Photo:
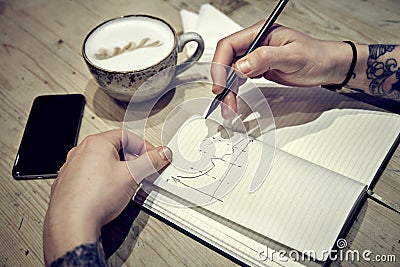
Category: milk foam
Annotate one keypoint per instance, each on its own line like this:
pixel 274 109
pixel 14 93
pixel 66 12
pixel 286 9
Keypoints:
pixel 120 32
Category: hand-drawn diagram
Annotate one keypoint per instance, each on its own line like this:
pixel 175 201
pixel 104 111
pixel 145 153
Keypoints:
pixel 229 163
pixel 205 169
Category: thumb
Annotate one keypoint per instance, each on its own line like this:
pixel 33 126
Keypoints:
pixel 149 162
pixel 261 60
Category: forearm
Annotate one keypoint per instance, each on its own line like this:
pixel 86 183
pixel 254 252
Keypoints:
pixel 71 242
pixel 84 255
pixel 377 70
pixel 64 233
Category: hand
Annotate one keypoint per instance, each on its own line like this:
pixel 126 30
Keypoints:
pixel 94 186
pixel 286 56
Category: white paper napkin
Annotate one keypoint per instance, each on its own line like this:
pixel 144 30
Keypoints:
pixel 211 24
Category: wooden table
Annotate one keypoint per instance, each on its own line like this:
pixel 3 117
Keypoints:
pixel 41 54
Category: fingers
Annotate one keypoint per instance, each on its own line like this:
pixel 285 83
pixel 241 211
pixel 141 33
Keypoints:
pixel 123 139
pixel 219 74
pixel 134 144
pixel 235 44
pixel 142 158
pixel 148 163
pixel 129 157
pixel 127 140
pixel 71 153
pixel 229 106
pixel 226 51
pixel 263 59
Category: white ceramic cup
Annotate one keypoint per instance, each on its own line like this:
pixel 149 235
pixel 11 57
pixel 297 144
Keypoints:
pixel 123 52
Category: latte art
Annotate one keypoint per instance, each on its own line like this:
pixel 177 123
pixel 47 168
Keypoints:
pixel 129 43
pixel 104 53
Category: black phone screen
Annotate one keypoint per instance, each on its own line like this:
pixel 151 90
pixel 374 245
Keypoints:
pixel 51 131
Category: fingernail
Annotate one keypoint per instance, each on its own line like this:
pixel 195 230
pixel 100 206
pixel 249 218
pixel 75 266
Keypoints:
pixel 165 153
pixel 244 66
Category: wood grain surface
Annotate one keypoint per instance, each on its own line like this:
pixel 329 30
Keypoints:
pixel 40 53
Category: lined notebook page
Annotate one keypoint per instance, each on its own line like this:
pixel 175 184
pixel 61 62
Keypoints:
pixel 227 236
pixel 331 130
pixel 300 205
pixel 351 142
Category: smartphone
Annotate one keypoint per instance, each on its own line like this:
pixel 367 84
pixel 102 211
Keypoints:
pixel 51 131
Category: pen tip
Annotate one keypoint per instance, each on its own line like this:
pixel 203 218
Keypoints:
pixel 213 106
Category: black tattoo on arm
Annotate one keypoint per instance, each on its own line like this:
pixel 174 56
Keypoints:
pixel 84 255
pixel 384 73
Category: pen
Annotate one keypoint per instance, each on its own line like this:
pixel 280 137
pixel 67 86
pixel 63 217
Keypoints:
pixel 256 42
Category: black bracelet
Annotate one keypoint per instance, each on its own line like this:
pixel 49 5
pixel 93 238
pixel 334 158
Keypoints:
pixel 349 73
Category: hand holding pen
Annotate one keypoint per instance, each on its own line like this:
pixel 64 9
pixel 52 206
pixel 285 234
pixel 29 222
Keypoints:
pixel 285 56
pixel 258 39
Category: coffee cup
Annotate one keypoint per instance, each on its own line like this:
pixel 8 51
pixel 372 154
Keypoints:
pixel 122 53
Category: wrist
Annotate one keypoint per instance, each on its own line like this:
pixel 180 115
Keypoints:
pixel 64 231
pixel 360 80
pixel 340 57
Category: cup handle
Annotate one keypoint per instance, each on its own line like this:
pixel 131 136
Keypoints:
pixel 182 41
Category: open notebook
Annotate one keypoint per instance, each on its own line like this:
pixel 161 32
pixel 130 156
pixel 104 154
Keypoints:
pixel 329 151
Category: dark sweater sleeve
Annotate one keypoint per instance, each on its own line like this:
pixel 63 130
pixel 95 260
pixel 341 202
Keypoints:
pixel 82 256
